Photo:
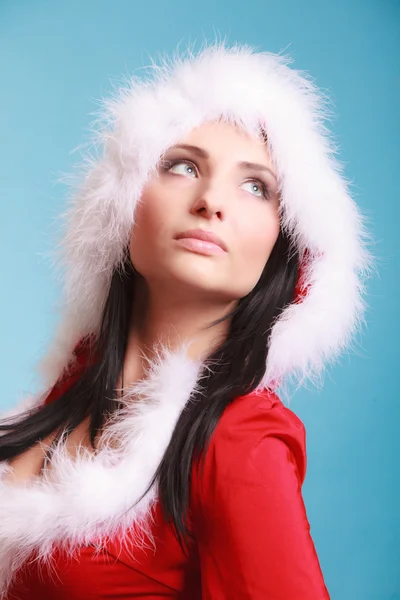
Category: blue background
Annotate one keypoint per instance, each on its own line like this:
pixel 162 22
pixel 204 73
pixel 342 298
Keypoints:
pixel 57 58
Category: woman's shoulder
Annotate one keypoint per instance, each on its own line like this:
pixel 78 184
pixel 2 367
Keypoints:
pixel 250 429
pixel 261 411
pixel 80 359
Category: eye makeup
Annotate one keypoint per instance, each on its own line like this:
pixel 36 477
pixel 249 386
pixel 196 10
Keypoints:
pixel 168 163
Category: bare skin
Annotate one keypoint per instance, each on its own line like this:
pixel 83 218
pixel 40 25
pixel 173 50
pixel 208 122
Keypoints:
pixel 182 290
pixel 28 464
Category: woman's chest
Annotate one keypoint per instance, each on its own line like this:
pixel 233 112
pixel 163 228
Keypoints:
pixel 29 464
pixel 137 565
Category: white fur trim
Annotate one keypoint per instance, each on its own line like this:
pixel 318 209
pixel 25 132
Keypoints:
pixel 144 118
pixel 90 498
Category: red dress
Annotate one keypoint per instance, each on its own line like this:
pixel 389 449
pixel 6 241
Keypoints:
pixel 252 536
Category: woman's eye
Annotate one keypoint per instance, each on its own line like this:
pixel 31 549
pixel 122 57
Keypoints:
pixel 183 168
pixel 257 188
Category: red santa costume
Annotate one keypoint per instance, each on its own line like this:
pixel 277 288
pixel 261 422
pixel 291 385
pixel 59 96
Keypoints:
pixel 84 530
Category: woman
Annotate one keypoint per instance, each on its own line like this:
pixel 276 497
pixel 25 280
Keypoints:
pixel 211 252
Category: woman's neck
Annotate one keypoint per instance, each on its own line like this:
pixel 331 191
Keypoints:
pixel 163 318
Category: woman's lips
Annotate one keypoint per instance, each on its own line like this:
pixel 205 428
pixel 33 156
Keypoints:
pixel 200 246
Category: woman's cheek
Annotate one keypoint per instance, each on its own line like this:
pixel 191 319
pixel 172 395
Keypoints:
pixel 256 249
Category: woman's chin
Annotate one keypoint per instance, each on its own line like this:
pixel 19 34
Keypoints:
pixel 194 281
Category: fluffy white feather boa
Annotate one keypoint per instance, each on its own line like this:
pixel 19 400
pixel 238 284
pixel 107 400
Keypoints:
pixel 91 497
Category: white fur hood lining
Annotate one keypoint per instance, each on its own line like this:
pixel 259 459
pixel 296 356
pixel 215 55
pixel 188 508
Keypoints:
pixel 146 116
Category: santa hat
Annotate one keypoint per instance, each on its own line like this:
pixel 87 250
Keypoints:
pixel 256 90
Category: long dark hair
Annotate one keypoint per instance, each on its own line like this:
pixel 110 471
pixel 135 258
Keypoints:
pixel 238 366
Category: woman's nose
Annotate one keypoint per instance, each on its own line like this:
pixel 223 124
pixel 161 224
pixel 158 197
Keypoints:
pixel 210 202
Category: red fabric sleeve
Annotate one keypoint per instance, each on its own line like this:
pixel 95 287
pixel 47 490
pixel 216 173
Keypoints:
pixel 250 520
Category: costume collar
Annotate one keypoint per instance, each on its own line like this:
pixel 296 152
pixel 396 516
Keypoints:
pixel 90 497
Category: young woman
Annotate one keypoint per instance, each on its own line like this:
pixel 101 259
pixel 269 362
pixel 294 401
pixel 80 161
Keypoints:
pixel 211 252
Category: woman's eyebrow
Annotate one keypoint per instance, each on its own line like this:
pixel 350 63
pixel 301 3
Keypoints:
pixel 243 164
pixel 200 151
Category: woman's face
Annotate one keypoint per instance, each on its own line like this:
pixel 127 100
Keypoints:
pixel 218 180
